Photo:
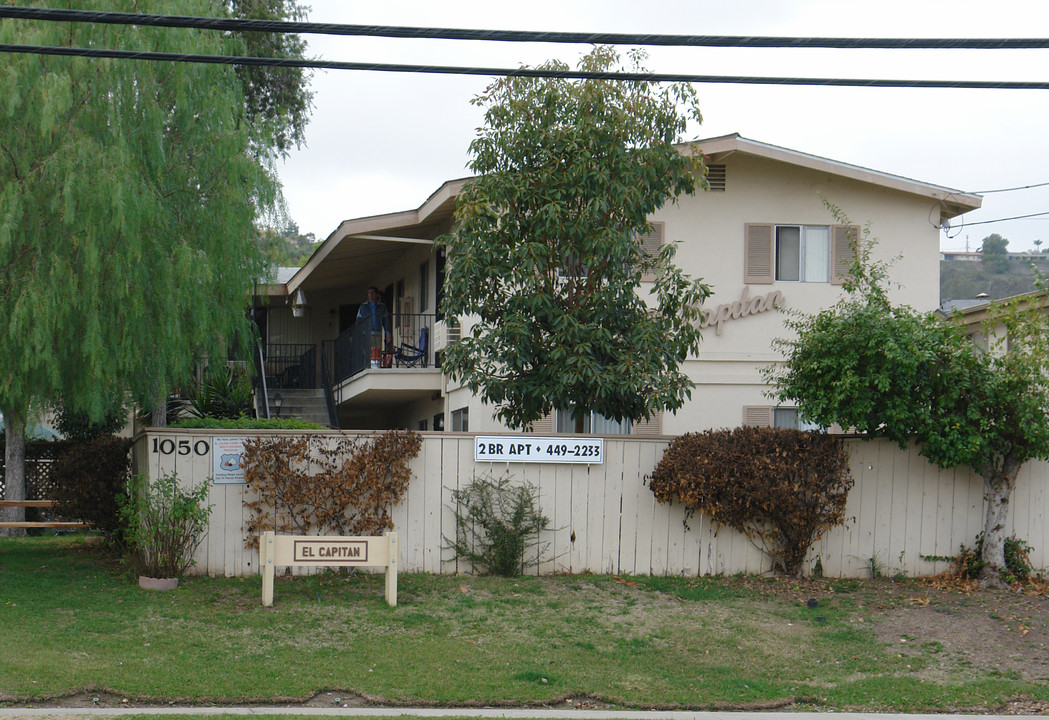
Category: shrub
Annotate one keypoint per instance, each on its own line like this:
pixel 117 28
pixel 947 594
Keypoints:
pixel 75 425
pixel 781 488
pixel 247 423
pixel 497 524
pixel 89 478
pixel 357 482
pixel 165 524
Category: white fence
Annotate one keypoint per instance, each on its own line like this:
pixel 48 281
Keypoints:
pixel 605 519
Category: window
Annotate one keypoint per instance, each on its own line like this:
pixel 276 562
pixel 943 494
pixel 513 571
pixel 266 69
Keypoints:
pixel 591 423
pixel 787 417
pixel 438 422
pixel 803 253
pixel 424 286
pixel 797 253
pixel 461 420
pixel 423 425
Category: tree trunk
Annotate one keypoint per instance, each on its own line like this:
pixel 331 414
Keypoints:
pixel 14 470
pixel 159 414
pixel 998 487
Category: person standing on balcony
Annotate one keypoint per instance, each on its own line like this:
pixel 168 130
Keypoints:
pixel 374 313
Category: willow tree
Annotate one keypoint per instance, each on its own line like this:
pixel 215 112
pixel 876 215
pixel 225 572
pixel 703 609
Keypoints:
pixel 547 254
pixel 128 197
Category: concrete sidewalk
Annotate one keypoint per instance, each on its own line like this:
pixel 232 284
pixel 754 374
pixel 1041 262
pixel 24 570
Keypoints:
pixel 510 713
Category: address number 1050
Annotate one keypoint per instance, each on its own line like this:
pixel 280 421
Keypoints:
pixel 167 446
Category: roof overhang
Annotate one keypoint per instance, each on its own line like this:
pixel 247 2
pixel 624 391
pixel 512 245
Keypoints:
pixel 952 202
pixel 349 255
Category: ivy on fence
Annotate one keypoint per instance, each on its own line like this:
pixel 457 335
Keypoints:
pixel 321 485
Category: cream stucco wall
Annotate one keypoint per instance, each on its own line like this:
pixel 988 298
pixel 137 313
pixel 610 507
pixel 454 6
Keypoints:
pixel 708 229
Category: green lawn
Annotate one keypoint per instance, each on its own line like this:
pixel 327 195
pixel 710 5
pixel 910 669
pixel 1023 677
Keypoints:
pixel 71 620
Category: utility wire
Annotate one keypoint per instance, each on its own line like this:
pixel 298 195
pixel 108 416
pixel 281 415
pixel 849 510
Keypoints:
pixel 274 26
pixel 987 222
pixel 1022 187
pixel 515 72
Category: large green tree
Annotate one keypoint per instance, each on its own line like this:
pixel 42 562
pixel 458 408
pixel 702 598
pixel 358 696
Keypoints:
pixel 888 370
pixel 547 255
pixel 994 252
pixel 128 197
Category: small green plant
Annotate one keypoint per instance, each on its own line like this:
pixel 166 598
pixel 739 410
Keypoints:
pixel 164 524
pixel 221 392
pixel 968 563
pixel 497 524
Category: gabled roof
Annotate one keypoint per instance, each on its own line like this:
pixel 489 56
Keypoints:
pixel 339 258
pixel 952 202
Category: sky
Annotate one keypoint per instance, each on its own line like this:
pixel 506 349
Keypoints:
pixel 383 142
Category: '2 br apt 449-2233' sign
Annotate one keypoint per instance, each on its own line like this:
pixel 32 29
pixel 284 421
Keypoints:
pixel 532 449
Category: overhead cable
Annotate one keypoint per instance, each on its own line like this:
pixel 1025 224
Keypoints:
pixel 515 72
pixel 1022 187
pixel 526 36
pixel 988 222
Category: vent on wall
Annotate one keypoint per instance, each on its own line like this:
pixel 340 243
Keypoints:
pixel 716 177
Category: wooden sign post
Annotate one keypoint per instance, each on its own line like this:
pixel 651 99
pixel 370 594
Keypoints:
pixel 307 550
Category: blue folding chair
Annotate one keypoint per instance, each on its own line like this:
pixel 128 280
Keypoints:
pixel 409 355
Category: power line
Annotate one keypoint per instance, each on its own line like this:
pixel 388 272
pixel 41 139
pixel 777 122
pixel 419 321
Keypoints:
pixel 515 72
pixel 1022 187
pixel 987 222
pixel 274 26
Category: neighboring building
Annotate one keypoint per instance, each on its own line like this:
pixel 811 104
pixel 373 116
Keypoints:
pixel 761 237
pixel 1026 256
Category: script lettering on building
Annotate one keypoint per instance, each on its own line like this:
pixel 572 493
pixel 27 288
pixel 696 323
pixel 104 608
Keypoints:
pixel 746 305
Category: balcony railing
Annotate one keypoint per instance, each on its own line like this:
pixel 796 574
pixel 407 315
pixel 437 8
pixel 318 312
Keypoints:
pixel 407 341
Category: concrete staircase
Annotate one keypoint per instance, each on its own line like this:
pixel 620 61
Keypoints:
pixel 307 405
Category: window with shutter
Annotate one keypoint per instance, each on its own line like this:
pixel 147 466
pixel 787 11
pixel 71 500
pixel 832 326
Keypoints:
pixel 652 241
pixel 797 253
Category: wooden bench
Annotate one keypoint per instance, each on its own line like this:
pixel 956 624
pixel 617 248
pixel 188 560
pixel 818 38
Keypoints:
pixel 53 525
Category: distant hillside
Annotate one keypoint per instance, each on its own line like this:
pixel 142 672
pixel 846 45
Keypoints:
pixel 961 280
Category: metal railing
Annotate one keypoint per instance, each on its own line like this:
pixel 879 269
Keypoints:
pixel 407 341
pixel 326 384
pixel 291 365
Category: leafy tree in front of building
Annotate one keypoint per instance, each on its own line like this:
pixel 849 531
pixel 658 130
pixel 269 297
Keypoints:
pixel 888 370
pixel 547 254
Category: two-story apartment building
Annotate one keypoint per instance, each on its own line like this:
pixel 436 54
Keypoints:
pixel 762 237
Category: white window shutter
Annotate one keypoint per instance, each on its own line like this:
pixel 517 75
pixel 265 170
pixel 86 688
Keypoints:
pixel 842 251
pixel 544 426
pixel 757 254
pixel 652 242
pixel 757 416
pixel 653 427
